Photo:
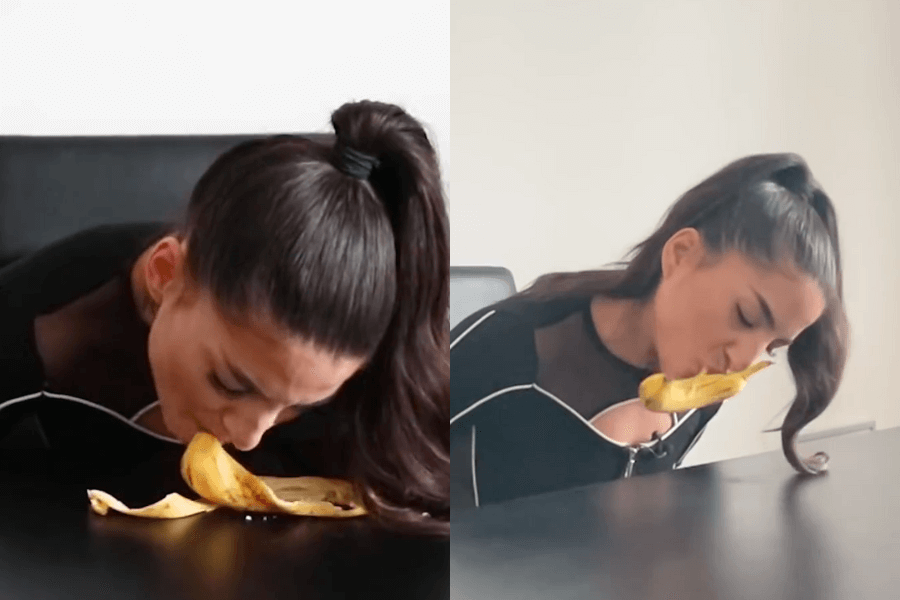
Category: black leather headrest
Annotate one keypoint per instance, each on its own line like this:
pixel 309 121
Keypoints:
pixel 51 187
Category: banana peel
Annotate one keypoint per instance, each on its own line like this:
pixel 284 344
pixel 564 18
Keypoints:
pixel 221 481
pixel 173 506
pixel 661 395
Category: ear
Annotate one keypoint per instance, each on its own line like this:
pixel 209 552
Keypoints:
pixel 164 270
pixel 685 249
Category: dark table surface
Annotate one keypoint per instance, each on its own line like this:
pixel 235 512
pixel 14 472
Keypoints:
pixel 52 546
pixel 741 529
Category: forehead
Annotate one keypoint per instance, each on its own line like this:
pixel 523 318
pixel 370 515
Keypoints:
pixel 796 299
pixel 285 366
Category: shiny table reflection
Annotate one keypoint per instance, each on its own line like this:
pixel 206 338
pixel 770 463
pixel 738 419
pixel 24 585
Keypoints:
pixel 53 546
pixel 742 529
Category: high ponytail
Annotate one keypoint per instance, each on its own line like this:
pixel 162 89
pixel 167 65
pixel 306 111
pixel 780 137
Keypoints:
pixel 400 439
pixel 346 245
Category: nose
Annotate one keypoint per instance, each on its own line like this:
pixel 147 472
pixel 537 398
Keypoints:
pixel 742 355
pixel 246 426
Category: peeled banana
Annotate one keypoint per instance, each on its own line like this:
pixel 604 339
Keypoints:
pixel 660 395
pixel 221 481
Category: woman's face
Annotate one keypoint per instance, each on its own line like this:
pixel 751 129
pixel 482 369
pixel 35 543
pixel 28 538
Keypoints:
pixel 233 379
pixel 720 314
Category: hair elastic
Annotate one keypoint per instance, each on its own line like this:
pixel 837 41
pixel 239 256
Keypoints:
pixel 355 163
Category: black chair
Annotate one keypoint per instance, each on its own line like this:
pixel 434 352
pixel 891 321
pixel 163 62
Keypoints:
pixel 473 288
pixel 51 187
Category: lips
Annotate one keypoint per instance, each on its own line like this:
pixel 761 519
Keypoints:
pixel 719 368
pixel 693 372
pixel 200 427
pixel 698 370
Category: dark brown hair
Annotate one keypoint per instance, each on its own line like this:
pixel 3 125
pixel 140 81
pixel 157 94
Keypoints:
pixel 770 208
pixel 358 266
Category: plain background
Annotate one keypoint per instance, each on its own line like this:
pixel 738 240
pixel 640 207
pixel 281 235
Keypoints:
pixel 200 66
pixel 576 124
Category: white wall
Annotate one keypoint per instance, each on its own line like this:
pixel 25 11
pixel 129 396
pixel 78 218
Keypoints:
pixel 112 67
pixel 575 124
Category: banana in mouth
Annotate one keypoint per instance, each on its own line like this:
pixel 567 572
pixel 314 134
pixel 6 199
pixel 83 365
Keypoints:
pixel 661 395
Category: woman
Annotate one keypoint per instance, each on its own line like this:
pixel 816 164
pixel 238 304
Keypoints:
pixel 299 310
pixel 544 385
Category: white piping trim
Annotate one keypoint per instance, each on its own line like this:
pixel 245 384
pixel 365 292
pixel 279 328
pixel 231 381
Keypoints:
pixel 690 447
pixel 474 474
pixel 580 418
pixel 20 399
pixel 90 404
pixel 587 423
pixel 470 328
pixel 144 411
pixel 679 422
pixel 475 405
pixel 676 419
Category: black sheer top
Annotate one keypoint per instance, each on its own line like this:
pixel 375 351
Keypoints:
pixel 527 378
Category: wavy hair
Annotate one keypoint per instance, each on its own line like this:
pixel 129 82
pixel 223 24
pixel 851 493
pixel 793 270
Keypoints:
pixel 770 208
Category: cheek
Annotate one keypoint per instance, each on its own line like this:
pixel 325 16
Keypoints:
pixel 158 352
pixel 286 415
pixel 171 360
pixel 688 315
pixel 676 315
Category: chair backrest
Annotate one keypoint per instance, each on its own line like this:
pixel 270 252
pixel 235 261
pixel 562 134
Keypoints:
pixel 52 187
pixel 473 288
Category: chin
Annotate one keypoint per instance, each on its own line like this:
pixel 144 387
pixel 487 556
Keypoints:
pixel 185 431
pixel 184 436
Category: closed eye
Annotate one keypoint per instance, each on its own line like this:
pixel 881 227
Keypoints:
pixel 217 383
pixel 743 318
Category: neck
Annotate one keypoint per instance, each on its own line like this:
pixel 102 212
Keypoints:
pixel 626 329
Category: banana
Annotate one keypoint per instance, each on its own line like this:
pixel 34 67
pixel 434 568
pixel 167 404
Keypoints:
pixel 660 395
pixel 218 478
pixel 221 481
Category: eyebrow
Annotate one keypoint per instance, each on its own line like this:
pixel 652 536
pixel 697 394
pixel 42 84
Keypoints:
pixel 766 310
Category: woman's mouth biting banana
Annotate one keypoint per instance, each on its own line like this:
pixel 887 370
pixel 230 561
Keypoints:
pixel 660 395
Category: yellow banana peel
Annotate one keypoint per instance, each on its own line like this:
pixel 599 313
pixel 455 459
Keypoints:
pixel 660 395
pixel 173 506
pixel 221 481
